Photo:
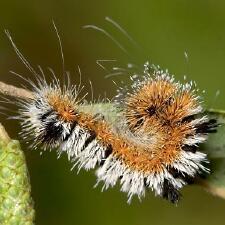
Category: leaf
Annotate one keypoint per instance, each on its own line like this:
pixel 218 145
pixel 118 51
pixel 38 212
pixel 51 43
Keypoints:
pixel 215 145
pixel 16 205
pixel 215 148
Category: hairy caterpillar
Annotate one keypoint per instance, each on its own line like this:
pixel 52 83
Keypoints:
pixel 152 144
pixel 172 116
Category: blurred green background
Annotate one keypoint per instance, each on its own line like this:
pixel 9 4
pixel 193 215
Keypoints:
pixel 164 30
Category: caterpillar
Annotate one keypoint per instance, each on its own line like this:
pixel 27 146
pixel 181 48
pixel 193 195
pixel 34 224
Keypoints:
pixel 172 115
pixel 152 144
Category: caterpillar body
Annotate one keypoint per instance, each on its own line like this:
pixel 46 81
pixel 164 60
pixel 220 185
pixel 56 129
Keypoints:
pixel 153 143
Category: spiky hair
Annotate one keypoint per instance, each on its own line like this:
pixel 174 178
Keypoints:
pixel 153 143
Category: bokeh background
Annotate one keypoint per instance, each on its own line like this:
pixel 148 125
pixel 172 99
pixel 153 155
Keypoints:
pixel 164 30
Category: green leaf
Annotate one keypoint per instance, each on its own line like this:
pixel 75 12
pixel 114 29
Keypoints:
pixel 16 205
pixel 215 148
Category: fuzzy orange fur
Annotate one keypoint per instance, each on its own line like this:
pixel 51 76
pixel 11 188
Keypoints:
pixel 165 123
